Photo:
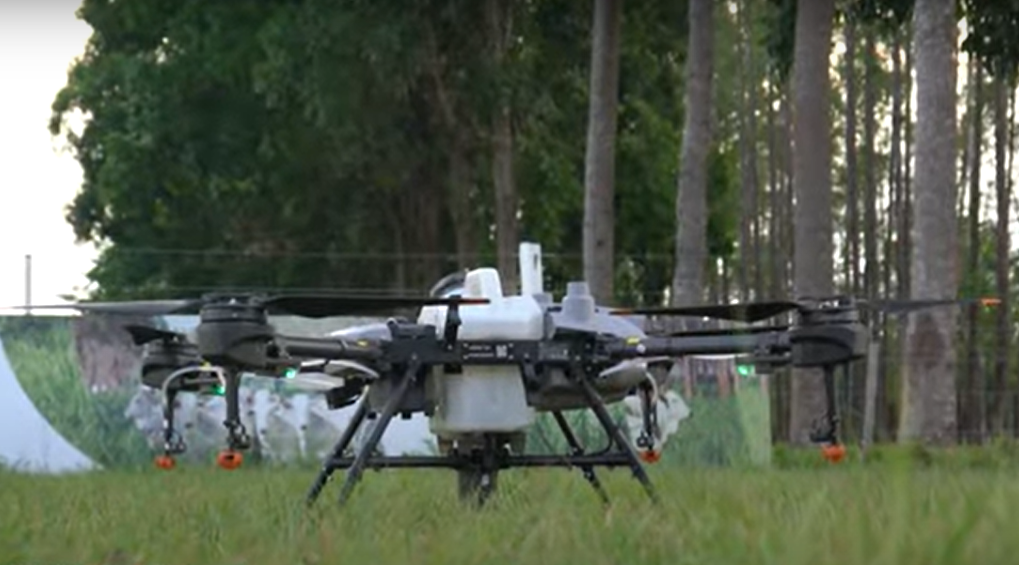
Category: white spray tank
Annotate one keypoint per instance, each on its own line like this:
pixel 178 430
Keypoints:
pixel 484 399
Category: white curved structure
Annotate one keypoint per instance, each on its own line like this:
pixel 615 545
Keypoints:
pixel 27 440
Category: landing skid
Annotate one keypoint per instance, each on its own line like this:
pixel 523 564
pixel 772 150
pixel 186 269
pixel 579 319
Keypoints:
pixel 479 468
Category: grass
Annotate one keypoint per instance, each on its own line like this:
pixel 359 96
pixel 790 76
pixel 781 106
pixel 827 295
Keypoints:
pixel 41 353
pixel 892 512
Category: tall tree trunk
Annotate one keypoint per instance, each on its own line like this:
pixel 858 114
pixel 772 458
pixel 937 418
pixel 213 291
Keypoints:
pixel 973 417
pixel 870 276
pixel 907 184
pixel 507 227
pixel 460 196
pixel 929 391
pixel 851 268
pixel 859 372
pixel 904 226
pixel 749 267
pixel 459 132
pixel 1002 244
pixel 774 198
pixel 600 160
pixel 691 198
pixel 1013 391
pixel 812 164
pixel 898 237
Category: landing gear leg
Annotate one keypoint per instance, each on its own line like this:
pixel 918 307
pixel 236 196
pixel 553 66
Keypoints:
pixel 478 479
pixel 827 433
pixel 173 443
pixel 577 449
pixel 602 413
pixel 237 436
pixel 366 451
pixel 348 436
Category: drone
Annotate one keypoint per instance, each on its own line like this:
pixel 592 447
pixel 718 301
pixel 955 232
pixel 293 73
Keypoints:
pixel 481 366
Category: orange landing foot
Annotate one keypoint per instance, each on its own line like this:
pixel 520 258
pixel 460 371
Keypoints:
pixel 229 459
pixel 650 456
pixel 834 453
pixel 165 462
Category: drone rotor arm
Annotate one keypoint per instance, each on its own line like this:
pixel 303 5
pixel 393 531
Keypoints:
pixel 685 345
pixel 329 348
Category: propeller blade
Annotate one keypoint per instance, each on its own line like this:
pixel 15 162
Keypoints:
pixel 757 311
pixel 894 306
pixel 145 334
pixel 749 312
pixel 322 306
pixel 130 307
pixel 310 306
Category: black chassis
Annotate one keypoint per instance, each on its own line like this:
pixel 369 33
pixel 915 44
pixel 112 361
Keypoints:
pixel 238 338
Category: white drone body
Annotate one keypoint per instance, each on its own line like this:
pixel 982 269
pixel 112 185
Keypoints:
pixel 480 400
pixel 484 399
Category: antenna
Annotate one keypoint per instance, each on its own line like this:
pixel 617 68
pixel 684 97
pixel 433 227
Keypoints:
pixel 530 269
pixel 28 282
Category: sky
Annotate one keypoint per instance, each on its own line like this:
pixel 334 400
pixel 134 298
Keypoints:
pixel 38 42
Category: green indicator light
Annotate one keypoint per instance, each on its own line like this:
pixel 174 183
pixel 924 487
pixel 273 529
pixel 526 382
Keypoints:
pixel 219 390
pixel 744 370
pixel 290 373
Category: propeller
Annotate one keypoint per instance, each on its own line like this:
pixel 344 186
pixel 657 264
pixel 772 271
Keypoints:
pixel 305 305
pixel 757 311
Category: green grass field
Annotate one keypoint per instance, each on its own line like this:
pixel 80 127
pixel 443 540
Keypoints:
pixel 883 513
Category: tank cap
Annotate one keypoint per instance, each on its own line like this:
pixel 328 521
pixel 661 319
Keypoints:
pixel 578 304
pixel 483 283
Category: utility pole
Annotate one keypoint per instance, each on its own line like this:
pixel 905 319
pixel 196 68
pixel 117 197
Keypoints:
pixel 28 282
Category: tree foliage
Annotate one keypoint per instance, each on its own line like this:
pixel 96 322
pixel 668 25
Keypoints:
pixel 270 143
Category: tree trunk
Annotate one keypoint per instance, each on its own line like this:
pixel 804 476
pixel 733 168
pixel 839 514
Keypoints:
pixel 929 390
pixel 870 276
pixel 459 135
pixel 1002 241
pixel 460 206
pixel 851 269
pixel 898 237
pixel 691 199
pixel 750 251
pixel 1013 391
pixel 812 165
pixel 774 199
pixel 973 417
pixel 507 227
pixel 599 162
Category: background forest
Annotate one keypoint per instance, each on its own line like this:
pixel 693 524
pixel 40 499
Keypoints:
pixel 666 151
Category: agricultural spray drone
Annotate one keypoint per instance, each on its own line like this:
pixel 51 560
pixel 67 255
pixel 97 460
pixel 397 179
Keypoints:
pixel 480 365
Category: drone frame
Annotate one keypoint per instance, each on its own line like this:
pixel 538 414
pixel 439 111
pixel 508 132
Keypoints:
pixel 830 337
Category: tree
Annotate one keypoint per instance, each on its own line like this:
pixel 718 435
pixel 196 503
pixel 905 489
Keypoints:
pixel 691 202
pixel 929 393
pixel 812 184
pixel 600 161
pixel 499 16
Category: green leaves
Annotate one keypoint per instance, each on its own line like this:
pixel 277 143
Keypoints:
pixel 281 143
pixel 993 27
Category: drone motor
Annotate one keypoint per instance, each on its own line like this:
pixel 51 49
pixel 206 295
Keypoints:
pixel 234 333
